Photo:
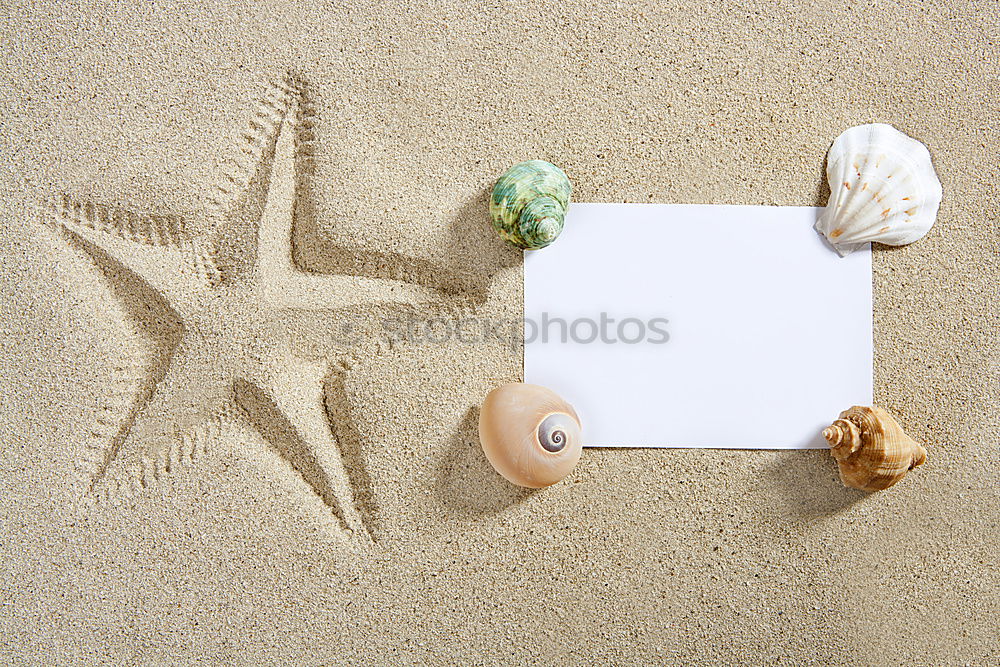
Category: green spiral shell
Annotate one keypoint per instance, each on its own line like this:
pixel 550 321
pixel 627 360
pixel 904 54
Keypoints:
pixel 529 203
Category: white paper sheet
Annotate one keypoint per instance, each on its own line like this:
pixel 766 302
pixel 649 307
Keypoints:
pixel 770 331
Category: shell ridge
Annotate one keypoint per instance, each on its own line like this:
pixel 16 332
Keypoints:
pixel 883 188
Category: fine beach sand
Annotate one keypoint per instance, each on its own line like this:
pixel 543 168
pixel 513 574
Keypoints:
pixel 191 507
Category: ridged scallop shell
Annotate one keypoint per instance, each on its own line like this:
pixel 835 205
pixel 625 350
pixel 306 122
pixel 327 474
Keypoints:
pixel 528 205
pixel 883 188
pixel 530 435
pixel 871 449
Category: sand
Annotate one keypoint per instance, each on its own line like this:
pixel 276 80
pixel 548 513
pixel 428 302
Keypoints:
pixel 269 495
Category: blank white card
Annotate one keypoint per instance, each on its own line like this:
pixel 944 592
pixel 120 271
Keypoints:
pixel 699 326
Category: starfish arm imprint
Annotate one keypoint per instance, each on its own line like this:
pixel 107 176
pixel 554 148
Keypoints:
pixel 281 282
pixel 158 248
pixel 287 409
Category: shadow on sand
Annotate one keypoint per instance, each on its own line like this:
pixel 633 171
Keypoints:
pixel 466 482
pixel 808 485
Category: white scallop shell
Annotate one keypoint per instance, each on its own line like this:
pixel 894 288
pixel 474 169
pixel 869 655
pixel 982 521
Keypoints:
pixel 882 188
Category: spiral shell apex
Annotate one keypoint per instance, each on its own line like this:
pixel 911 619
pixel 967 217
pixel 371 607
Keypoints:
pixel 528 205
pixel 871 449
pixel 529 434
pixel 882 188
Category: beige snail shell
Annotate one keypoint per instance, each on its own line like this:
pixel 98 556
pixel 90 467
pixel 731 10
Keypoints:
pixel 871 449
pixel 529 434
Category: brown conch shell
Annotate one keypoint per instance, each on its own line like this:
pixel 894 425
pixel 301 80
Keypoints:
pixel 529 434
pixel 871 449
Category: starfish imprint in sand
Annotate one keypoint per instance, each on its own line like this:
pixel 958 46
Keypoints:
pixel 217 307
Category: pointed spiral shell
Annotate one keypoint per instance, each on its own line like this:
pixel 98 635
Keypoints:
pixel 871 449
pixel 529 202
pixel 529 434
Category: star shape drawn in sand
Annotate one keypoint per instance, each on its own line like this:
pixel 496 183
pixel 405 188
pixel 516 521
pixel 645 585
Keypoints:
pixel 217 308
